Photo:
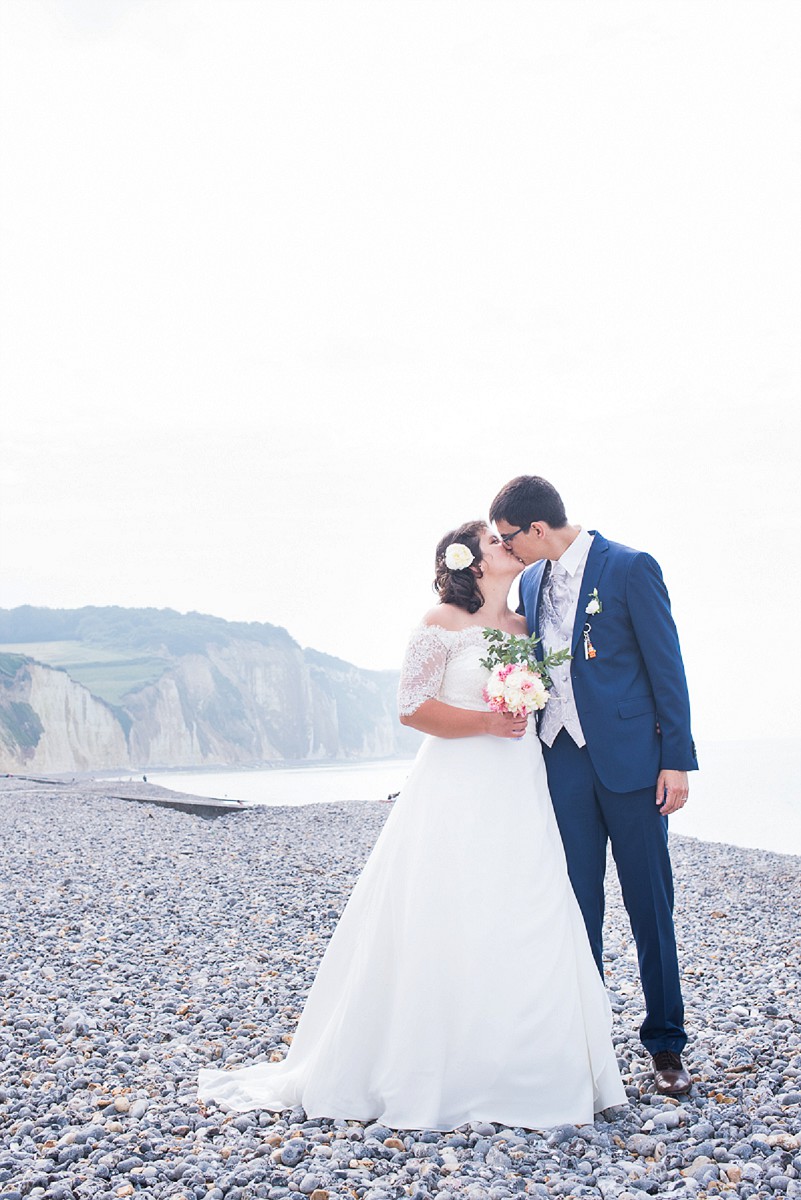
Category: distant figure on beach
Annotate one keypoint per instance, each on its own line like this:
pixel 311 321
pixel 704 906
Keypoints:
pixel 459 984
pixel 615 734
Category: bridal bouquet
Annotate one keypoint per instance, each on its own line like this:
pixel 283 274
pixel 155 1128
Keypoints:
pixel 518 681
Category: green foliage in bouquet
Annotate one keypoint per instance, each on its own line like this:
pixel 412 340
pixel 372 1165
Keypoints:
pixel 508 648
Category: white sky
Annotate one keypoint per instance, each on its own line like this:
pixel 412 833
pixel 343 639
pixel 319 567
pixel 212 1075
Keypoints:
pixel 289 289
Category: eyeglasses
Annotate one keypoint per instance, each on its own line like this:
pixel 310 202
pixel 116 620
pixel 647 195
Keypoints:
pixel 508 538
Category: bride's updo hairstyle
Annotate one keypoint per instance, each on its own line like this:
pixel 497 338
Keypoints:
pixel 460 587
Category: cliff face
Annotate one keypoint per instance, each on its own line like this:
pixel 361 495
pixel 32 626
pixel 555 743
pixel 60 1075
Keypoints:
pixel 243 703
pixel 50 723
pixel 230 699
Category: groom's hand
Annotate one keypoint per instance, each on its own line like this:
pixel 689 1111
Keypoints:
pixel 672 790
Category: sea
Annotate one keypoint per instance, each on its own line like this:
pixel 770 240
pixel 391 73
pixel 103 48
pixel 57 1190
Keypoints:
pixel 745 794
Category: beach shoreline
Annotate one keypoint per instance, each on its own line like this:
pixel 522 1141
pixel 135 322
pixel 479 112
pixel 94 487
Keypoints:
pixel 141 942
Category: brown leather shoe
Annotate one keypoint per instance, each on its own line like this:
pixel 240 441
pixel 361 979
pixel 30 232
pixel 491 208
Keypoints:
pixel 670 1076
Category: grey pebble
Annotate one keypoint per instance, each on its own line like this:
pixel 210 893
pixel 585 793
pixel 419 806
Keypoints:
pixel 669 1117
pixel 497 1160
pixel 641 1144
pixel 562 1133
pixel 109 1021
pixel 293 1152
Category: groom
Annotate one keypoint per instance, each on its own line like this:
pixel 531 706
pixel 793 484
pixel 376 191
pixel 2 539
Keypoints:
pixel 615 733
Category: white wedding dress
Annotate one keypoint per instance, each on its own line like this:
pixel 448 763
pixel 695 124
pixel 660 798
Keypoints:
pixel 459 983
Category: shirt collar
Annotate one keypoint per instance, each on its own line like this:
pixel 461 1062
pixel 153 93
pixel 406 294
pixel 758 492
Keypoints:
pixel 575 556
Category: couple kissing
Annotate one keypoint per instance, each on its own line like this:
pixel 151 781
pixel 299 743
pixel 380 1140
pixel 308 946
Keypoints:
pixel 464 981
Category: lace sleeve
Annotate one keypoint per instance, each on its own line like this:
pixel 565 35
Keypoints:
pixel 423 668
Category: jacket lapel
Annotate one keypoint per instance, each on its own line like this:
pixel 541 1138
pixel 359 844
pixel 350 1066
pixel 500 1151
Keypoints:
pixel 593 570
pixel 531 583
pixel 544 573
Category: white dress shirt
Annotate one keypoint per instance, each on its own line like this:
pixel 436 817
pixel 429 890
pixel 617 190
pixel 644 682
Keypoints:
pixel 560 711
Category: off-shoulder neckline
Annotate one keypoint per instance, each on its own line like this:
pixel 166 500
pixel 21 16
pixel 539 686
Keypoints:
pixel 444 628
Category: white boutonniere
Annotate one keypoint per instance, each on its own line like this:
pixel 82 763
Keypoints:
pixel 595 605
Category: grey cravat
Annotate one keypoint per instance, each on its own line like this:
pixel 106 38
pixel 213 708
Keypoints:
pixel 555 597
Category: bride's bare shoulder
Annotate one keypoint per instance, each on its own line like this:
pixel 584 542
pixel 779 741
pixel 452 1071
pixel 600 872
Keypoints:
pixel 447 616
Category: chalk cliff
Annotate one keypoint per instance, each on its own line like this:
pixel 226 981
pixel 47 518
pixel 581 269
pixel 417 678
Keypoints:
pixel 211 694
pixel 48 722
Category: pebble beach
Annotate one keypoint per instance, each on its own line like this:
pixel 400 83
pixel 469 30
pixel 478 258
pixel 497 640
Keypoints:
pixel 139 943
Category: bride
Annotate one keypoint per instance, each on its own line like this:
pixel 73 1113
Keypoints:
pixel 459 984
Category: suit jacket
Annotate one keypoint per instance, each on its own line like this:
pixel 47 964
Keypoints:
pixel 632 698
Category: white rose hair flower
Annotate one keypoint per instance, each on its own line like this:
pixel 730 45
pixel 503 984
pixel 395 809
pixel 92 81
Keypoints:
pixel 458 556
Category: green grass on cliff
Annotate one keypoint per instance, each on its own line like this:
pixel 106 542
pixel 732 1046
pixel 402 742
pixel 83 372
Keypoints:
pixel 108 674
pixel 114 651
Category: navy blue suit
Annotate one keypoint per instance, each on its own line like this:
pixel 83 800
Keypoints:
pixel 634 710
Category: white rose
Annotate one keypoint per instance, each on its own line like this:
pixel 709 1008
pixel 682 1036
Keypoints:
pixel 593 607
pixel 514 694
pixel 458 556
pixel 495 687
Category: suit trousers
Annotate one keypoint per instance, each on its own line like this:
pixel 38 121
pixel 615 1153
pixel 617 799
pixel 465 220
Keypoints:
pixel 588 815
